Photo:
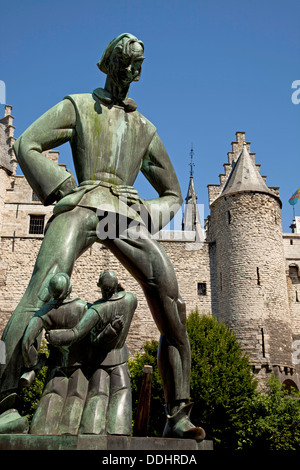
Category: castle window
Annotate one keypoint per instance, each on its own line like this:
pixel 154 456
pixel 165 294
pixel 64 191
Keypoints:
pixel 297 298
pixel 293 274
pixel 229 217
pixel 201 288
pixel 36 224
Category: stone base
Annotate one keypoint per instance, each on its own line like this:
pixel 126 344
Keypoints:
pixel 104 443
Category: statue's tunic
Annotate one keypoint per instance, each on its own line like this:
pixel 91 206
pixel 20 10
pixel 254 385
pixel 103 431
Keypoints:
pixel 108 144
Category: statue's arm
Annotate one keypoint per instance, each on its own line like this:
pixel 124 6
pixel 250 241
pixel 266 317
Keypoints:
pixel 65 337
pixel 48 180
pixel 159 171
pixel 29 342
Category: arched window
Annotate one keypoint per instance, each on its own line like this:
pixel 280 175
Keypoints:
pixel 290 385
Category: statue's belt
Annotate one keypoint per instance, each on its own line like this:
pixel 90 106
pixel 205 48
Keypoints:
pixel 114 196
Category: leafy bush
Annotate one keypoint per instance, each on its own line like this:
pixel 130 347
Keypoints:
pixel 271 420
pixel 221 378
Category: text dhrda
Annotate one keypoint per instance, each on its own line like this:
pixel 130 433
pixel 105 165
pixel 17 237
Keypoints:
pixel 150 459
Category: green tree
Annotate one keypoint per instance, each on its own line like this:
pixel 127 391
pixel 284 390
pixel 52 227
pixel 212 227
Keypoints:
pixel 221 379
pixel 271 419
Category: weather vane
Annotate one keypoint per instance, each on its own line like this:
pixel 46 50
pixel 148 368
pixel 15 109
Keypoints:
pixel 192 156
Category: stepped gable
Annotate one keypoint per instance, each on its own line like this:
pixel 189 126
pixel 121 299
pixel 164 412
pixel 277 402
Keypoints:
pixel 245 176
pixel 242 174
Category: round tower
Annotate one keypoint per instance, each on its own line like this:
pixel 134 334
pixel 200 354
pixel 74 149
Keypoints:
pixel 245 233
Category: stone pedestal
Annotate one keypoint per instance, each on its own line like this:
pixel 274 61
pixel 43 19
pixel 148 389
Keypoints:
pixel 103 443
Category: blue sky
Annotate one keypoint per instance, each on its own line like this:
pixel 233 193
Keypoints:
pixel 213 67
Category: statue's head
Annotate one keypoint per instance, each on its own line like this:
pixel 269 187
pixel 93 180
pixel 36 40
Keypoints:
pixel 108 283
pixel 122 59
pixel 60 286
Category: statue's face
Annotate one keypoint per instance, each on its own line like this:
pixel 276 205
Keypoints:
pixel 126 69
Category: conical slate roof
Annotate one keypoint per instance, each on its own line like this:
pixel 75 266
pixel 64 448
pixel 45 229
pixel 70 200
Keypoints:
pixel 245 177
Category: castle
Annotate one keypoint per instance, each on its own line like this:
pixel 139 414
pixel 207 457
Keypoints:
pixel 240 267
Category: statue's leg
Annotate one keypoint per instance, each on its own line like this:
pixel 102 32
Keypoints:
pixel 68 236
pixel 119 413
pixel 47 416
pixel 93 419
pixel 74 403
pixel 148 263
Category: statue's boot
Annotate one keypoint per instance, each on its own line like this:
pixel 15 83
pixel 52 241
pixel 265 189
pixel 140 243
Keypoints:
pixel 11 422
pixel 179 425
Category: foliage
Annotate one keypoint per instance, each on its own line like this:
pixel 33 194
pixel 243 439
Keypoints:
pixel 271 420
pixel 221 378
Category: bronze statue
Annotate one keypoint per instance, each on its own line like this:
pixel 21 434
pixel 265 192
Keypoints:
pixel 88 385
pixel 111 142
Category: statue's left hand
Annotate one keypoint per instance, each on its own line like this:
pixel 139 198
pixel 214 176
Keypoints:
pixel 118 323
pixel 126 193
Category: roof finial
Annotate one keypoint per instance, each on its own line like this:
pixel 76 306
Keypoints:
pixel 192 164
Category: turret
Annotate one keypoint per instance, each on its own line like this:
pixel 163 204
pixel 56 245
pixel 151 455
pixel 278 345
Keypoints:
pixel 245 235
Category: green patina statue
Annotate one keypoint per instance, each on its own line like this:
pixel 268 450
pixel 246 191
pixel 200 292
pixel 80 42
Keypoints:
pixel 111 142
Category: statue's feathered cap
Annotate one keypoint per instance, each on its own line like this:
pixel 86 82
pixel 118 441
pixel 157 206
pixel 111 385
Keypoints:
pixel 127 39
